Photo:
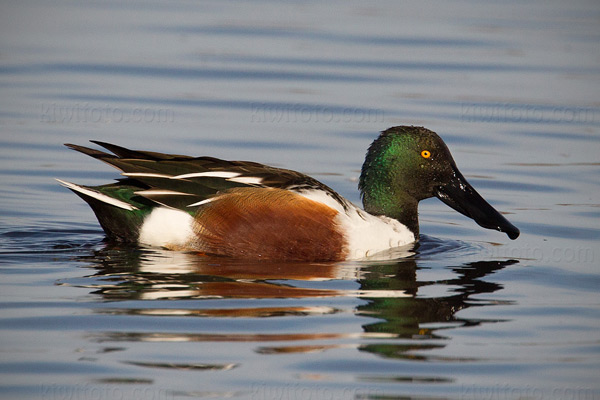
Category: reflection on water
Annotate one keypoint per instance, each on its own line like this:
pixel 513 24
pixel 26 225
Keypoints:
pixel 397 320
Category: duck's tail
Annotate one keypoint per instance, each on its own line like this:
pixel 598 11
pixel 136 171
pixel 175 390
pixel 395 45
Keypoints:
pixel 119 214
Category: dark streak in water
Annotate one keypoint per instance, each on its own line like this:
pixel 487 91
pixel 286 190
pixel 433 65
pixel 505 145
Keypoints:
pixel 420 66
pixel 188 73
pixel 362 39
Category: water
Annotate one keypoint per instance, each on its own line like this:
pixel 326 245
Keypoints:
pixel 512 88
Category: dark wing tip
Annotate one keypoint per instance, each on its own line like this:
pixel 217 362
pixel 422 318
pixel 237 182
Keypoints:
pixel 90 152
pixel 120 151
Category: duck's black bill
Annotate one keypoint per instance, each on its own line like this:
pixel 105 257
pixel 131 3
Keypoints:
pixel 462 197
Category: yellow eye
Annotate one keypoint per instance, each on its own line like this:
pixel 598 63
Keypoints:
pixel 425 154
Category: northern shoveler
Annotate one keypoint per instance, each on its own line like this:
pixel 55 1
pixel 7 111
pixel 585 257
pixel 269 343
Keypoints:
pixel 249 210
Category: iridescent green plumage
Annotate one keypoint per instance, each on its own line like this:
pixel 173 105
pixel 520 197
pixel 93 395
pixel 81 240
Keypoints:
pixel 407 164
pixel 395 176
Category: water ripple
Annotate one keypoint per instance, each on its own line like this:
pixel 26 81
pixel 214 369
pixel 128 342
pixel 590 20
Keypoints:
pixel 188 73
pixel 306 34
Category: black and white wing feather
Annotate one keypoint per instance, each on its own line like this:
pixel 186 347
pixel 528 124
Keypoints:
pixel 185 182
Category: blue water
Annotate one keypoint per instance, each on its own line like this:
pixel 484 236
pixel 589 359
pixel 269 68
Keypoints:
pixel 513 88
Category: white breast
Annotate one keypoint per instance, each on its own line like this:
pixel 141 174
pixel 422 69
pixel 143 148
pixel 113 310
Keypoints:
pixel 366 234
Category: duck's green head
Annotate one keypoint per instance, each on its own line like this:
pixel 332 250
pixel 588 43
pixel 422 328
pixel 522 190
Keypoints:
pixel 407 164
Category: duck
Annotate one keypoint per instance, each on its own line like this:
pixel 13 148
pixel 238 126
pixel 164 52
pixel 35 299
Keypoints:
pixel 251 211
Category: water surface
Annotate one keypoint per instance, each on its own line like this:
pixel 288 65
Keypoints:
pixel 512 88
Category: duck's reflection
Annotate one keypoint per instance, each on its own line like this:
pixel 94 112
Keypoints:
pixel 407 317
pixel 384 298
